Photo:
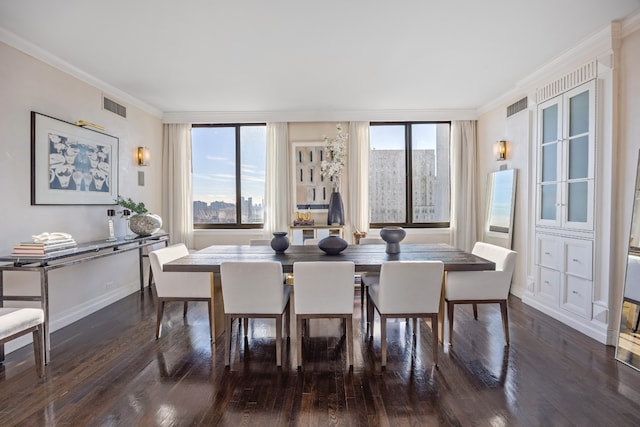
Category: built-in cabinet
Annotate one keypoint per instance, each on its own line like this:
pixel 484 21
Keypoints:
pixel 565 218
pixel 301 233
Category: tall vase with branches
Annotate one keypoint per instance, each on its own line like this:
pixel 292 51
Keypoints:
pixel 332 167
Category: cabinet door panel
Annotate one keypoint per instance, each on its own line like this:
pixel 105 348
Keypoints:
pixel 576 297
pixel 549 251
pixel 579 258
pixel 549 202
pixel 579 157
pixel 579 117
pixel 549 285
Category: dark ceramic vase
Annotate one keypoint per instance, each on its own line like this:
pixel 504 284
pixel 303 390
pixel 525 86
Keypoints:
pixel 332 245
pixel 280 242
pixel 393 236
pixel 336 209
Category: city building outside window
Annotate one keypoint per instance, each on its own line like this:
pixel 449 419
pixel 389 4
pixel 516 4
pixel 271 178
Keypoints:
pixel 228 172
pixel 409 178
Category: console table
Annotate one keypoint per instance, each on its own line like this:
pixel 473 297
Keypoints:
pixel 81 253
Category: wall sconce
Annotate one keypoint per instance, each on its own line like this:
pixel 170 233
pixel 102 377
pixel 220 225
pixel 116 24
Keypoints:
pixel 502 150
pixel 143 156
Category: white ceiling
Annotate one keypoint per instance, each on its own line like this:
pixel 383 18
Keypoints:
pixel 297 55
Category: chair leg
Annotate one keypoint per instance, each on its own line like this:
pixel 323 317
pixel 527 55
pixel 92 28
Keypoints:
pixel 287 324
pixel 505 320
pixel 279 340
pixel 363 289
pixel 415 325
pixel 184 310
pixel 209 307
pixel 370 315
pixel 299 339
pixel 245 323
pixel 159 314
pixel 38 346
pixel 434 337
pixel 450 306
pixel 475 311
pixel 227 339
pixel 349 322
pixel 383 339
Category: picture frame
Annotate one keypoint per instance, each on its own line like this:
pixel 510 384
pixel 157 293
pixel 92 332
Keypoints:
pixel 71 164
pixel 310 190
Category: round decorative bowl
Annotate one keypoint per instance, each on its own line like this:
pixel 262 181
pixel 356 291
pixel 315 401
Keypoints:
pixel 145 224
pixel 332 245
pixel 393 236
pixel 280 242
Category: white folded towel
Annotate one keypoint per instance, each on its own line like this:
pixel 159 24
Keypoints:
pixel 50 237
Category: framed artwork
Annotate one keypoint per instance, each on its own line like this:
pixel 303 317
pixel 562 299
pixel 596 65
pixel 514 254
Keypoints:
pixel 71 165
pixel 310 189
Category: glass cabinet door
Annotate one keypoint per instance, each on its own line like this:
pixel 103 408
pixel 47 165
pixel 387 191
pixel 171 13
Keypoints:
pixel 579 154
pixel 550 162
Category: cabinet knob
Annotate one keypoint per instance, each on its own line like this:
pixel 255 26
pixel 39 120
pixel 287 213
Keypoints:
pixel 575 260
pixel 547 253
pixel 575 292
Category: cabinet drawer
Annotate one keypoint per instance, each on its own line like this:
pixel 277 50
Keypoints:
pixel 549 252
pixel 579 258
pixel 549 285
pixel 576 296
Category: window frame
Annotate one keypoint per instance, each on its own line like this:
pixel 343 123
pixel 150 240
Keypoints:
pixel 408 222
pixel 238 168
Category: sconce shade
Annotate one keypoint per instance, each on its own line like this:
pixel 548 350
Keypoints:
pixel 143 156
pixel 502 150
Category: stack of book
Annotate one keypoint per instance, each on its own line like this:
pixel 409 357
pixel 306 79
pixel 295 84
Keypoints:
pixel 31 249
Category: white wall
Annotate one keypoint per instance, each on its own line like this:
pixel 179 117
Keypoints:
pixel 26 85
pixel 493 126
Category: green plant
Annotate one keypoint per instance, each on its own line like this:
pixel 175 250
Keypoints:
pixel 127 203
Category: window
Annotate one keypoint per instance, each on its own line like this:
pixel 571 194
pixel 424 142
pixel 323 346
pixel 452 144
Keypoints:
pixel 409 174
pixel 228 170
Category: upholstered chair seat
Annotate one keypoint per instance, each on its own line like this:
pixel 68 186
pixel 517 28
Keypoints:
pixel 178 286
pixel 254 290
pixel 15 322
pixel 482 287
pixel 324 289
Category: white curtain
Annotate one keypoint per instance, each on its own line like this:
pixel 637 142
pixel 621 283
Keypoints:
pixel 463 179
pixel 277 206
pixel 358 167
pixel 177 203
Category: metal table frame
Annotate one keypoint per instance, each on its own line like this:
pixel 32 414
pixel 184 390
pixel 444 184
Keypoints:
pixel 82 253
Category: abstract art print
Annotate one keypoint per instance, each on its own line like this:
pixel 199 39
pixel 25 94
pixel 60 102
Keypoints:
pixel 70 164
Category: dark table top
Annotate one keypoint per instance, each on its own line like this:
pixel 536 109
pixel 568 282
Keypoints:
pixel 367 258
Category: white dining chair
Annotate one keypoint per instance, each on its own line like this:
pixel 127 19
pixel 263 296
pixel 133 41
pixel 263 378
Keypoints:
pixel 254 290
pixel 178 286
pixel 482 287
pixel 15 322
pixel 362 278
pixel 405 289
pixel 324 289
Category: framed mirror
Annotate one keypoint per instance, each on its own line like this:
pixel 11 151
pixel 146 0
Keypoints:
pixel 628 348
pixel 501 196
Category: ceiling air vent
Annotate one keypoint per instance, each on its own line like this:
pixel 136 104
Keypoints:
pixel 114 107
pixel 516 107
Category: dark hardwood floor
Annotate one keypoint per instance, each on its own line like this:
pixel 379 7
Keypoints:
pixel 108 370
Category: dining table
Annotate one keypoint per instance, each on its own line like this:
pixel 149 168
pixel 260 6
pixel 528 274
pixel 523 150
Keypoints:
pixel 367 259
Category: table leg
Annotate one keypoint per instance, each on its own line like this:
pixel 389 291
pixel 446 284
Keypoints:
pixel 141 268
pixel 44 302
pixel 441 312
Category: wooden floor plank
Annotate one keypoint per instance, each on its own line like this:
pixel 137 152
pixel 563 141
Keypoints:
pixel 108 369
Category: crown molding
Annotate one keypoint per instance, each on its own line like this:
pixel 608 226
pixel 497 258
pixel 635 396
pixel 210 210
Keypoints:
pixel 317 116
pixel 599 46
pixel 40 54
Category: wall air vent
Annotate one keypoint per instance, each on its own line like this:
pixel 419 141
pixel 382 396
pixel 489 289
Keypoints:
pixel 114 107
pixel 516 107
pixel 583 74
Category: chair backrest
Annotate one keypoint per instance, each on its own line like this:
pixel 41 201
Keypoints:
pixel 310 242
pixel 323 287
pixel 177 284
pixel 505 259
pixel 410 286
pixel 259 242
pixel 371 241
pixel 252 287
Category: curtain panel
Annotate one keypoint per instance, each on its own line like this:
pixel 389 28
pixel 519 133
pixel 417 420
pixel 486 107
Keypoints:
pixel 277 204
pixel 463 187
